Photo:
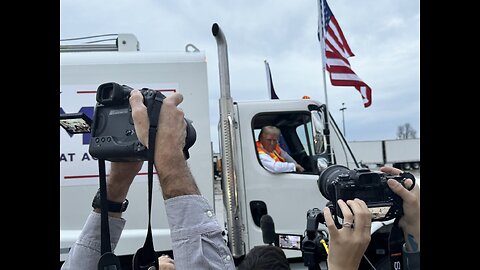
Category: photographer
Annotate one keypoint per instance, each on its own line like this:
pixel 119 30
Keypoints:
pixel 197 239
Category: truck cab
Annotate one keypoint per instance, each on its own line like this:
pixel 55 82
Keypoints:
pixel 286 197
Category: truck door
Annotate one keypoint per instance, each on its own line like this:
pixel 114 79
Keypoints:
pixel 286 197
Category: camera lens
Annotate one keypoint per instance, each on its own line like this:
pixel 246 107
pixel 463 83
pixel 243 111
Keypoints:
pixel 326 179
pixel 190 138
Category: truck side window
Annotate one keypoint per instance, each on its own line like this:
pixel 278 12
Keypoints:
pixel 303 132
pixel 296 137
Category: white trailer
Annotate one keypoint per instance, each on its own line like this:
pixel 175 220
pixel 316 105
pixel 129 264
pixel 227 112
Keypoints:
pixel 249 190
pixel 403 154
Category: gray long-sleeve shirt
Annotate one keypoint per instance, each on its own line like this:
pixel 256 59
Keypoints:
pixel 197 239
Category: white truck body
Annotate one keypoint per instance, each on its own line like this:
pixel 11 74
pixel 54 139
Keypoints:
pixel 81 74
pixel 286 197
pixel 404 154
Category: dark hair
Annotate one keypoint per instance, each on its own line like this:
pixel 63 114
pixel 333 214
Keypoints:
pixel 263 258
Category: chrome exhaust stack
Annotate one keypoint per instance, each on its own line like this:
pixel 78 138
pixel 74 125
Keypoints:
pixel 228 150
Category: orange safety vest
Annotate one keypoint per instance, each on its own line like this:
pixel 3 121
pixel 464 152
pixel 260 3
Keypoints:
pixel 276 154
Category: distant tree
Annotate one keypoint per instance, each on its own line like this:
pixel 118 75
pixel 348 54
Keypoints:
pixel 406 131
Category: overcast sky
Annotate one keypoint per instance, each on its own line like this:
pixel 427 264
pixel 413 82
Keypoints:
pixel 384 35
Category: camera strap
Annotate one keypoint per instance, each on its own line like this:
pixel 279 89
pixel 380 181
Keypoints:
pixel 395 244
pixel 108 260
pixel 146 258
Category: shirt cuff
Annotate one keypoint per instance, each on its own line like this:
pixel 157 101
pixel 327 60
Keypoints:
pixel 91 233
pixel 185 220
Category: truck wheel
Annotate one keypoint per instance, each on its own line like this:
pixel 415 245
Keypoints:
pixel 406 166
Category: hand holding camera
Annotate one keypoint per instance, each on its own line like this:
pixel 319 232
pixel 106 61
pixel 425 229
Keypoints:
pixel 352 238
pixel 338 182
pixel 116 138
pixel 346 244
pixel 410 221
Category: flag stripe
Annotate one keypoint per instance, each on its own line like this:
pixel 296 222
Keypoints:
pixel 337 52
pixel 366 93
pixel 337 62
pixel 335 44
pixel 339 33
pixel 345 77
pixel 334 53
pixel 347 82
pixel 340 69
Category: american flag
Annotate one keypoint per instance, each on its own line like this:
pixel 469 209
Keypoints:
pixel 337 52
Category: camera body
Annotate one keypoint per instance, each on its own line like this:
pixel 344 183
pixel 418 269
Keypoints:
pixel 339 182
pixel 113 135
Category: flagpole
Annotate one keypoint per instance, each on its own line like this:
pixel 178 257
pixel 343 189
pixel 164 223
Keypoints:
pixel 321 37
pixel 321 19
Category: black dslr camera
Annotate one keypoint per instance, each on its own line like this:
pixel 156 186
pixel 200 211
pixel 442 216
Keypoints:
pixel 113 133
pixel 339 182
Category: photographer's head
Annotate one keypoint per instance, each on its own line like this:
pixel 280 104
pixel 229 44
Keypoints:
pixel 265 258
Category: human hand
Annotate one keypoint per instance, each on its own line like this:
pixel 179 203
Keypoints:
pixel 348 244
pixel 299 168
pixel 410 221
pixel 166 263
pixel 173 172
pixel 171 128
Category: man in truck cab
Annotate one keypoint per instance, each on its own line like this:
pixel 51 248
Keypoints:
pixel 272 156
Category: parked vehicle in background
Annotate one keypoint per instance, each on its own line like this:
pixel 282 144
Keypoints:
pixel 402 153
